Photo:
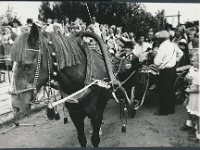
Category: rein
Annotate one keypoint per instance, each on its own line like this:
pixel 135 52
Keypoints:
pixel 33 86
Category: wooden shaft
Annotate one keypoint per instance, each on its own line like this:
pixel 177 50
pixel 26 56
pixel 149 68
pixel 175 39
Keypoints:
pixel 72 95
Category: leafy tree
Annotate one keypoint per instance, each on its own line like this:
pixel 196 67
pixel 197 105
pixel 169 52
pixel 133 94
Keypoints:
pixel 9 15
pixel 45 11
pixel 130 16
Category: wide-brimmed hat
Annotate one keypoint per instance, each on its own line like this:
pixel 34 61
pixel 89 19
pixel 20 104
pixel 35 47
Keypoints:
pixel 162 34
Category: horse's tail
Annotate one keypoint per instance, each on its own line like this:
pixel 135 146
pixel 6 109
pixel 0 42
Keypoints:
pixel 103 49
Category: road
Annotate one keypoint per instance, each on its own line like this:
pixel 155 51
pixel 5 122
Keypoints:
pixel 144 130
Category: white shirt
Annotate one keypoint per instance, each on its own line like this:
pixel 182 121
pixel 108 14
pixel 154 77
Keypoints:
pixel 96 29
pixel 139 51
pixel 49 28
pixel 164 55
pixel 17 30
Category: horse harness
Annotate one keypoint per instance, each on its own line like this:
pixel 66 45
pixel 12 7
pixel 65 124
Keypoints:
pixel 54 73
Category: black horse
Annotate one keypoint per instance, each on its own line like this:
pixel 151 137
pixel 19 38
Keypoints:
pixel 39 57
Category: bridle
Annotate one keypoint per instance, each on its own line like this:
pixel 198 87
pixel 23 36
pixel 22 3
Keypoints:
pixel 33 85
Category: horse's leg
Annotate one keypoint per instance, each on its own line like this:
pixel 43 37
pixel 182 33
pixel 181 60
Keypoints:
pixel 78 117
pixel 96 123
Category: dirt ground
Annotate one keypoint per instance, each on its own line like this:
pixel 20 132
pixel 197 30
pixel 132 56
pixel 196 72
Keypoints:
pixel 144 130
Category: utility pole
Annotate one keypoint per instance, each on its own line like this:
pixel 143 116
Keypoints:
pixel 176 16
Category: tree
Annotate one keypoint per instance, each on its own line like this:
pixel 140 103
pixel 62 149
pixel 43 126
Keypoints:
pixel 9 15
pixel 45 11
pixel 130 16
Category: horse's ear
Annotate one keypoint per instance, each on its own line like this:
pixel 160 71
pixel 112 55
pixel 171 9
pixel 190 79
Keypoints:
pixel 33 36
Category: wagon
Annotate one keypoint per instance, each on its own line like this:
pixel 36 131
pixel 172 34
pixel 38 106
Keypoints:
pixel 139 81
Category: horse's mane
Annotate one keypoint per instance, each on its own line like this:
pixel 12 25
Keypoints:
pixel 66 48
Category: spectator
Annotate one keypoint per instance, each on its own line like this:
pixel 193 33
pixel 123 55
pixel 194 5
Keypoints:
pixel 193 107
pixel 66 31
pixel 17 28
pixel 95 26
pixel 83 27
pixel 184 47
pixel 49 27
pixel 192 33
pixel 111 43
pixel 29 23
pixel 57 26
pixel 167 56
pixel 150 37
pixel 67 21
pixel 195 43
pixel 140 48
pixel 8 40
pixel 101 27
pixel 131 36
pixel 118 32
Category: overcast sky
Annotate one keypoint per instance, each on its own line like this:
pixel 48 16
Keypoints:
pixel 188 11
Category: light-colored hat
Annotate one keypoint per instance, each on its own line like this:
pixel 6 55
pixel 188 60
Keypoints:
pixel 162 34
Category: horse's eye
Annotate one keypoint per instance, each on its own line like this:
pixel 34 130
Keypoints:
pixel 27 66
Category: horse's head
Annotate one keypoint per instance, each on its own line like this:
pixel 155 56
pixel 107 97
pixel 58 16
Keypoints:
pixel 29 72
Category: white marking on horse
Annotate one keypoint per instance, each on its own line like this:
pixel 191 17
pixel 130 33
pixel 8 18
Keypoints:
pixel 12 83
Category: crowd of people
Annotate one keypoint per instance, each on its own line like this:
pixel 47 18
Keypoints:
pixel 168 49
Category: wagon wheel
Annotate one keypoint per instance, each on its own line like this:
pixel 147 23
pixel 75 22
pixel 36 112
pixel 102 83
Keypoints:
pixel 179 88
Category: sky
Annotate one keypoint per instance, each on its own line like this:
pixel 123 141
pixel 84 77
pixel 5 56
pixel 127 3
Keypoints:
pixel 188 12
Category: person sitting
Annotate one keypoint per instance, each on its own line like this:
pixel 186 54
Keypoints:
pixel 118 32
pixel 7 40
pixel 140 49
pixel 111 42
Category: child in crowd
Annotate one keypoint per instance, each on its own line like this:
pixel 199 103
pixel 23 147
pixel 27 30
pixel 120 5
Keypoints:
pixel 193 106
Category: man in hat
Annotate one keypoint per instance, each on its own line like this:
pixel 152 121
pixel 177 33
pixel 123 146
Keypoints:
pixel 168 54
